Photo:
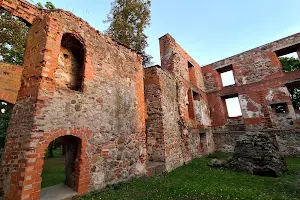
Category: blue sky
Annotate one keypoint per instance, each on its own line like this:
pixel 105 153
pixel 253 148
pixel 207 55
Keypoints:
pixel 209 30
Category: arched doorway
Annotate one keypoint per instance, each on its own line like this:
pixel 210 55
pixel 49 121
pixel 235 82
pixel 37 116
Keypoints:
pixel 60 174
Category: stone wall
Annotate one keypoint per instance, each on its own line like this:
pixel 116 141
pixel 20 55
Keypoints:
pixel 171 139
pixel 107 115
pixel 154 120
pixel 288 140
pixel 177 108
pixel 171 118
pixel 90 90
pixel 260 85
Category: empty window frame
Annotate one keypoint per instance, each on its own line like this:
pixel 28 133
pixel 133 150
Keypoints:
pixel 233 106
pixel 227 75
pixel 280 108
pixel 196 96
pixel 191 111
pixel 289 58
pixel 197 106
pixel 294 89
pixel 192 74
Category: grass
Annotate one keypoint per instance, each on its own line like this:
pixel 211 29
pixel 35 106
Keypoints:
pixel 53 170
pixel 198 181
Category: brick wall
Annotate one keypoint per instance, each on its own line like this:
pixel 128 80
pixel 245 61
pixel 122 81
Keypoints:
pixel 260 82
pixel 107 117
pixel 172 138
pixel 10 80
pixel 154 121
pixel 171 129
pixel 21 9
pixel 101 105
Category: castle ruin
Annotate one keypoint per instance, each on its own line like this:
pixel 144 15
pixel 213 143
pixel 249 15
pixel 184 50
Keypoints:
pixel 121 121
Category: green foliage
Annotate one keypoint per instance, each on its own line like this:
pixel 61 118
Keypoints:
pixel 56 153
pixel 39 5
pixel 198 181
pixel 128 20
pixel 53 172
pixel 48 5
pixel 14 56
pixel 291 64
pixel 5 113
pixel 13 34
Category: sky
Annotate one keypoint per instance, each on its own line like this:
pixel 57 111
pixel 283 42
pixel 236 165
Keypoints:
pixel 209 30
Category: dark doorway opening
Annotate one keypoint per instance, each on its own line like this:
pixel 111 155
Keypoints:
pixel 61 162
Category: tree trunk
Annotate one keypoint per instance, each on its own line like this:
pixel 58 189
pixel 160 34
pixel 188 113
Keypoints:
pixel 63 149
pixel 2 144
pixel 50 150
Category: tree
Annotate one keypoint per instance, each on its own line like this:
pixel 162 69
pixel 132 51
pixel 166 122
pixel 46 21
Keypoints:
pixel 291 64
pixel 48 5
pixel 128 20
pixel 13 34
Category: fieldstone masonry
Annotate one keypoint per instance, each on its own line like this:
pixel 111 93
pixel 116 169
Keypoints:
pixel 258 154
pixel 122 121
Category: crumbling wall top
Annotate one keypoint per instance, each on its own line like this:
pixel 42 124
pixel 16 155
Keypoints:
pixel 22 9
pixel 273 46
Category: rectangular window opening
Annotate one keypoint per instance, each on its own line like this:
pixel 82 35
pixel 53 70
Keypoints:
pixel 294 89
pixel 191 104
pixel 289 58
pixel 227 75
pixel 197 106
pixel 196 96
pixel 233 106
pixel 192 73
pixel 190 65
pixel 280 108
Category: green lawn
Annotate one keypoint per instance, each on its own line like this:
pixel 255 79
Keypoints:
pixel 53 170
pixel 198 181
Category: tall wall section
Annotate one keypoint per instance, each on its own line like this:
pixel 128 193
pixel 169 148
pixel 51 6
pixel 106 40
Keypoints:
pixel 76 82
pixel 178 118
pixel 262 87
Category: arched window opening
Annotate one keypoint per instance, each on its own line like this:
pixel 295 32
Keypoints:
pixel 61 167
pixel 70 63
